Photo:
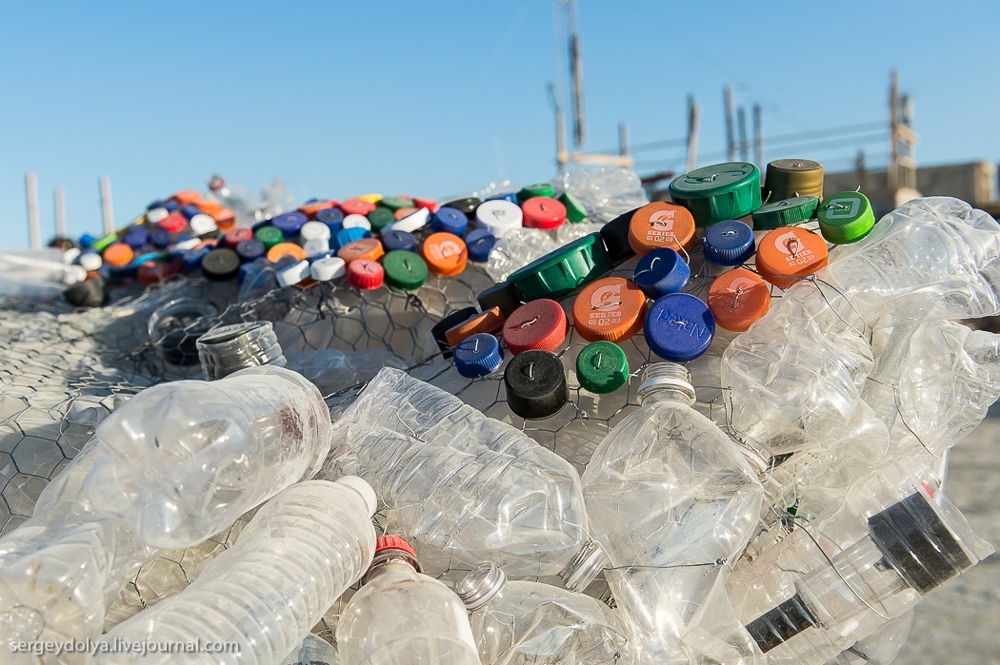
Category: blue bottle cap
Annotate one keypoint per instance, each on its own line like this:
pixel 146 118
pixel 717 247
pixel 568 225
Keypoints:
pixel 679 327
pixel 156 204
pixel 244 272
pixel 450 220
pixel 728 243
pixel 479 244
pixel 332 217
pixel 189 211
pixel 250 250
pixel 395 239
pixel 160 238
pixel 509 196
pixel 478 355
pixel 290 223
pixel 660 272
pixel 192 258
pixel 171 206
pixel 345 236
pixel 86 240
pixel 137 237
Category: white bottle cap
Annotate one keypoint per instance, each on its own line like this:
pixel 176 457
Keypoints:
pixel 314 231
pixel 91 261
pixel 412 222
pixel 293 274
pixel 155 215
pixel 329 268
pixel 361 486
pixel 202 224
pixel 316 246
pixel 71 255
pixel 357 221
pixel 499 217
pixel 185 245
pixel 74 274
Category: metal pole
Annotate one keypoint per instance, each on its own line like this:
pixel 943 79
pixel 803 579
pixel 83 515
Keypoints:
pixel 623 139
pixel 576 69
pixel 107 211
pixel 758 136
pixel 694 119
pixel 893 171
pixel 60 201
pixel 744 148
pixel 34 226
pixel 730 143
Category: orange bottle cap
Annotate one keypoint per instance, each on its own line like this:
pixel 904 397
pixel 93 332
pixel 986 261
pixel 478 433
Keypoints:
pixel 660 224
pixel 118 254
pixel 366 248
pixel 403 212
pixel 310 209
pixel 490 321
pixel 187 196
pixel 610 309
pixel 209 207
pixel 737 298
pixel 445 254
pixel 225 219
pixel 785 254
pixel 284 249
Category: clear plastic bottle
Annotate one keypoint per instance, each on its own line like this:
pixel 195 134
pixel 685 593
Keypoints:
pixel 672 500
pixel 299 553
pixel 520 622
pixel 184 459
pixel 312 651
pixel 470 486
pixel 402 616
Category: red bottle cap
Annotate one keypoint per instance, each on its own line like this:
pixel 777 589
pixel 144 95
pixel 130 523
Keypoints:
pixel 235 236
pixel 365 274
pixel 543 212
pixel 540 324
pixel 420 202
pixel 173 223
pixel 356 207
pixel 383 543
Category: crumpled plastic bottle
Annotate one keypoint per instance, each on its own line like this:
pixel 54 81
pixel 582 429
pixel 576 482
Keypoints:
pixel 312 651
pixel 520 622
pixel 470 486
pixel 299 553
pixel 672 500
pixel 605 192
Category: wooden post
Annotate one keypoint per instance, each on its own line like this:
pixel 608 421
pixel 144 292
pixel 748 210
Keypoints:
pixel 34 226
pixel 694 119
pixel 730 142
pixel 744 148
pixel 106 209
pixel 758 136
pixel 60 201
pixel 623 139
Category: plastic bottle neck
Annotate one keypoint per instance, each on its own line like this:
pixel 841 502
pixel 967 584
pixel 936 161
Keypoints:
pixel 389 562
pixel 482 586
pixel 666 381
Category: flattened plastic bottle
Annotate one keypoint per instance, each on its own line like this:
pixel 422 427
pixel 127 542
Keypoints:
pixel 470 486
pixel 401 616
pixel 521 623
pixel 672 500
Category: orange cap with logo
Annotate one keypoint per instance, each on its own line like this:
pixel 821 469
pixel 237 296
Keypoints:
pixel 737 298
pixel 787 254
pixel 610 309
pixel 660 224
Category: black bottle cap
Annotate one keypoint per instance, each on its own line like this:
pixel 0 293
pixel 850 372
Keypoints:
pixel 446 324
pixel 468 206
pixel 536 385
pixel 220 265
pixel 88 293
pixel 615 237
pixel 501 295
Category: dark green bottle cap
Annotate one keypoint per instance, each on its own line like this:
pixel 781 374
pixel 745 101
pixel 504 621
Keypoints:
pixel 720 192
pixel 269 236
pixel 500 295
pixel 396 202
pixel 785 213
pixel 575 212
pixel 531 191
pixel 602 367
pixel 404 270
pixel 560 271
pixel 846 217
pixel 381 217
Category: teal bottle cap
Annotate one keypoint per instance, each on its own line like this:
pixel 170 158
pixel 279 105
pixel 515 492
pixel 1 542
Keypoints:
pixel 719 192
pixel 785 213
pixel 602 367
pixel 846 217
pixel 563 270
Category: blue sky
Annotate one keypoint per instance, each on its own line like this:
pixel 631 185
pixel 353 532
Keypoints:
pixel 431 98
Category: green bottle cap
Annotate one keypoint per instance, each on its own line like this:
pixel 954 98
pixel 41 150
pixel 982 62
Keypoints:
pixel 575 212
pixel 103 243
pixel 381 217
pixel 560 271
pixel 785 213
pixel 531 191
pixel 395 203
pixel 720 192
pixel 404 270
pixel 846 217
pixel 269 236
pixel 602 367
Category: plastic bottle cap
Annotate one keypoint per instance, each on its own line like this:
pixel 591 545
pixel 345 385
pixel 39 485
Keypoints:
pixel 186 196
pixel 379 218
pixel 788 253
pixel 347 236
pixel 536 385
pixel 562 270
pixel 189 243
pixel 531 191
pixel 480 243
pixel 384 543
pixel 785 213
pixel 314 231
pixel 404 270
pixel 478 355
pixel 220 265
pixel 310 209
pixel 660 272
pixel 499 217
pixel 540 324
pixel 412 222
pixel 156 215
pixel 189 211
pixel 88 293
pixel 445 254
pixel 316 247
pixel 173 223
pixel 136 238
pixel 602 367
pixel 366 248
pixel 285 249
pixel 356 222
pixel 787 178
pixel 719 192
pixel 467 205
pixel 575 212
pixel 660 224
pixel 398 240
pixel 118 255
pixel 490 322
pixel 396 202
pixel 679 327
pixel 234 237
pixel 610 309
pixel 543 212
pixel 290 223
pixel 499 295
pixel 171 205
pixel 159 238
pixel 86 240
pixel 846 217
pixel 615 236
pixel 293 274
pixel 365 274
pixel 450 220
pixel 332 218
pixel 250 250
pixel 403 212
pixel 728 243
pixel 357 207
pixel 269 236
pixel 430 204
pixel 328 268
pixel 737 298
pixel 202 224
pixel 225 218
pixel 361 486
pixel 154 272
pixel 192 258
pixel 439 330
pixel 91 261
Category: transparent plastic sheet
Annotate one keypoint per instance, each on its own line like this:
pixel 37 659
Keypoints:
pixel 605 191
